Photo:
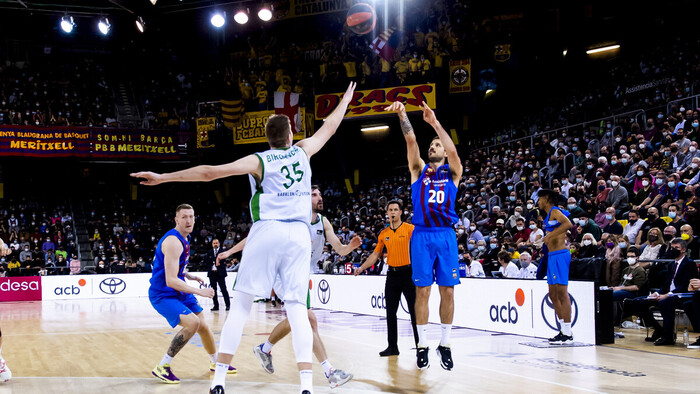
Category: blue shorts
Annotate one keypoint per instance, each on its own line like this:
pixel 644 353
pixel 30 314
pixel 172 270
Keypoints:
pixel 434 256
pixel 173 306
pixel 558 267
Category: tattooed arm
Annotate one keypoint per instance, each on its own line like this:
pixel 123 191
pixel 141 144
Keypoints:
pixel 415 163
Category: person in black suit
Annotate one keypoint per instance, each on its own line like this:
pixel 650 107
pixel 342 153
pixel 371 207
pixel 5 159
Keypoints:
pixel 680 272
pixel 217 274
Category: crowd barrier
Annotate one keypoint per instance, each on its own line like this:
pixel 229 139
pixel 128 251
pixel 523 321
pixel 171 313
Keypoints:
pixel 519 307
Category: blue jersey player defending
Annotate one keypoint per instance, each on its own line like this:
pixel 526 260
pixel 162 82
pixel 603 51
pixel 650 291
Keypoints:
pixel 173 298
pixel 558 259
pixel 433 243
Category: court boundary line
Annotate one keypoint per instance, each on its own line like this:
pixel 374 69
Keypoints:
pixel 650 352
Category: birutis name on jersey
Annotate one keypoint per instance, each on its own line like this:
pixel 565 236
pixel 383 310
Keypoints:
pixel 272 157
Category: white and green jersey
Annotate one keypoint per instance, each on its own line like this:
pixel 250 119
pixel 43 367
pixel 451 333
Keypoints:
pixel 284 192
pixel 318 239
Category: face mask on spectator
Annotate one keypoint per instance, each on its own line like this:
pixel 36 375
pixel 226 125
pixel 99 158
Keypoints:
pixel 588 156
pixel 529 206
pixel 590 167
pixel 493 246
pixel 579 180
pixel 631 260
pixel 610 245
pixel 571 206
pixel 671 184
pixel 608 217
pixel 587 242
pixel 659 181
pixel 482 248
pixel 471 246
pixel 622 245
pixel 460 231
pixel 533 226
pixel 694 166
pixel 601 187
pixel 614 183
pixel 520 228
pixel 692 148
pixel 511 198
pixel 672 215
pixel 653 238
pixel 472 228
pixel 483 206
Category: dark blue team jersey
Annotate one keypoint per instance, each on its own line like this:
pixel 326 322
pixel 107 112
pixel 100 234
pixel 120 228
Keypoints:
pixel 434 196
pixel 159 286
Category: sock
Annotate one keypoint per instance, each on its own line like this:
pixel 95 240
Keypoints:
pixel 306 379
pixel 267 347
pixel 561 322
pixel 422 334
pixel 566 328
pixel 212 358
pixel 446 330
pixel 220 375
pixel 327 367
pixel 166 360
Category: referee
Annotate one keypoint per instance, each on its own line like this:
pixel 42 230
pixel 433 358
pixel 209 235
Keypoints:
pixel 396 238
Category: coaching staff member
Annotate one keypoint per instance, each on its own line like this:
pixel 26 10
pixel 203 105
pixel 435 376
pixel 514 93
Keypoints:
pixel 217 275
pixel 396 238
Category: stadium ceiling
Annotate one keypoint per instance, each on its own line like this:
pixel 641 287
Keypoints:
pixel 111 7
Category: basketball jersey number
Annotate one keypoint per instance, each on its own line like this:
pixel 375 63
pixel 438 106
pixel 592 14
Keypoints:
pixel 288 174
pixel 436 196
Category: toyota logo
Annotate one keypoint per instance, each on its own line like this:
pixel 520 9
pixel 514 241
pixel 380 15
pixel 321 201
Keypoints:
pixel 324 291
pixel 550 317
pixel 112 286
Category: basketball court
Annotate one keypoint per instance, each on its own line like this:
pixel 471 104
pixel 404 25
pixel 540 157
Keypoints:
pixel 111 345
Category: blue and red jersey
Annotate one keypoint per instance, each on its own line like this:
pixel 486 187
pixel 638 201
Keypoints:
pixel 434 196
pixel 159 286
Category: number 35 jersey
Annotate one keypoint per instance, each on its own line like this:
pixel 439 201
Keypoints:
pixel 434 196
pixel 284 193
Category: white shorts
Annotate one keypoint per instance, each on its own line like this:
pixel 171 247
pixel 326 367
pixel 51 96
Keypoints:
pixel 276 248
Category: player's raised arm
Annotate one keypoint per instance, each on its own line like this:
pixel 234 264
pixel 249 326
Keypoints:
pixel 446 140
pixel 338 246
pixel 314 143
pixel 415 163
pixel 247 165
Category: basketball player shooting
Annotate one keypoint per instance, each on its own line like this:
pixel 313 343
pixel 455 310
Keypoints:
pixel 433 242
pixel 279 242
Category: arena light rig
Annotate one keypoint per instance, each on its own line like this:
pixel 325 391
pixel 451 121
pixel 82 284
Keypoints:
pixel 265 13
pixel 218 20
pixel 241 16
pixel 67 24
pixel 104 26
pixel 140 24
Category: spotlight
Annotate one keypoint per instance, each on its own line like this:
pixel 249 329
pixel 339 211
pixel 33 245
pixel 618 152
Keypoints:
pixel 218 19
pixel 602 49
pixel 154 2
pixel 103 25
pixel 67 24
pixel 140 24
pixel 265 13
pixel 241 16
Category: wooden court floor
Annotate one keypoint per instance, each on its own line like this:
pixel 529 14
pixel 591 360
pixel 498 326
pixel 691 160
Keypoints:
pixel 111 345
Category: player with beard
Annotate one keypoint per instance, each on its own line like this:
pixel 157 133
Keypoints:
pixel 321 232
pixel 434 253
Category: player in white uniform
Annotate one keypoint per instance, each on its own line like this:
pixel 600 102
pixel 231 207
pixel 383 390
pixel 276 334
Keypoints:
pixel 279 242
pixel 321 230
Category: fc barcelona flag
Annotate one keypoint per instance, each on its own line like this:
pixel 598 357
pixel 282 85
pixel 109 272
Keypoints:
pixel 460 76
pixel 231 104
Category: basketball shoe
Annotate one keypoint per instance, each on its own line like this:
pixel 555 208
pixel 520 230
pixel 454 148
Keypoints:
pixel 5 373
pixel 338 377
pixel 265 358
pixel 422 358
pixel 445 354
pixel 216 390
pixel 561 339
pixel 165 374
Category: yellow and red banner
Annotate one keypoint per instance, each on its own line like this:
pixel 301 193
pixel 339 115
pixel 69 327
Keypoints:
pixel 460 76
pixel 251 129
pixel 85 142
pixel 373 102
pixel 283 9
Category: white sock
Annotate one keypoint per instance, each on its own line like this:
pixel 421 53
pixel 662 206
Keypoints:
pixel 306 379
pixel 327 367
pixel 212 358
pixel 0 352
pixel 166 360
pixel 566 328
pixel 220 375
pixel 267 347
pixel 446 330
pixel 422 335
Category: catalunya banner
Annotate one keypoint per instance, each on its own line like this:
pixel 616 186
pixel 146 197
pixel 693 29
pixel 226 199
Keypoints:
pixel 373 102
pixel 283 9
pixel 251 130
pixel 28 141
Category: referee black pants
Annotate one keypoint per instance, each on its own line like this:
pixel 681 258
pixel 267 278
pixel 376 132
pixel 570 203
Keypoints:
pixel 397 283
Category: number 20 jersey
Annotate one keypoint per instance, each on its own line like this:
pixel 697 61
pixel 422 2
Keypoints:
pixel 284 193
pixel 434 196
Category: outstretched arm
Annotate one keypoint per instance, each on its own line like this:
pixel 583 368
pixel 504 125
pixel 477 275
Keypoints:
pixel 247 165
pixel 338 246
pixel 368 263
pixel 446 140
pixel 235 249
pixel 314 143
pixel 415 163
